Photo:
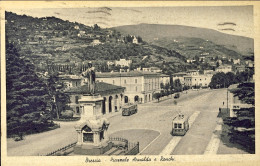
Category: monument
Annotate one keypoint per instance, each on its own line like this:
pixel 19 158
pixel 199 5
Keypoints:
pixel 92 128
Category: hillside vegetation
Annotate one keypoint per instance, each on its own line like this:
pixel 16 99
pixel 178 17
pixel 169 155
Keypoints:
pixel 51 40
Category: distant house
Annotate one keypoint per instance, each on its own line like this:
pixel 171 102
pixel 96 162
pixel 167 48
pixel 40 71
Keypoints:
pixel 191 60
pixel 193 72
pixel 76 27
pixel 240 68
pixel 123 63
pixel 202 80
pixel 236 61
pixel 224 68
pixel 96 42
pixel 209 72
pixel 109 63
pixel 135 40
pixel 153 69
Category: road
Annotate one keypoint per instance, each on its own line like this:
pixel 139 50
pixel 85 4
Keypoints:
pixel 151 127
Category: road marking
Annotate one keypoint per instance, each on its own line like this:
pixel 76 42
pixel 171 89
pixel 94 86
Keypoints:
pixel 149 144
pixel 213 145
pixel 176 139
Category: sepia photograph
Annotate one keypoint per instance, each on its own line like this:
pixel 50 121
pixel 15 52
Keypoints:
pixel 120 81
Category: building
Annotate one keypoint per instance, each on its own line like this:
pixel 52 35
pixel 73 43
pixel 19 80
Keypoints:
pixel 164 79
pixel 113 97
pixel 95 42
pixel 139 86
pixel 236 61
pixel 123 63
pixel 224 68
pixel 135 40
pixel 209 72
pixel 179 76
pixel 233 101
pixel 193 72
pixel 191 60
pixel 71 81
pixel 197 80
pixel 153 69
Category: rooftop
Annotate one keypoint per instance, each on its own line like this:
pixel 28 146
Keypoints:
pixel 126 74
pixel 100 87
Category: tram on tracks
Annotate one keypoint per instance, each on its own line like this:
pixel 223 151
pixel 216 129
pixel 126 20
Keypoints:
pixel 180 125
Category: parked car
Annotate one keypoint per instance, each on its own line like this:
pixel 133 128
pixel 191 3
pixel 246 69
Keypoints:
pixel 177 95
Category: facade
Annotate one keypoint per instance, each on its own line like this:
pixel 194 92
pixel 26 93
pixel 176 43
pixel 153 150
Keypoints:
pixel 112 97
pixel 193 72
pixel 139 86
pixel 123 62
pixel 71 81
pixel 165 79
pixel 197 80
pixel 224 68
pixel 152 69
pixel 233 101
pixel 179 76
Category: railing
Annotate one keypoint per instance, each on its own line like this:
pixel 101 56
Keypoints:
pixel 125 141
pixel 130 148
pixel 61 149
pixel 134 149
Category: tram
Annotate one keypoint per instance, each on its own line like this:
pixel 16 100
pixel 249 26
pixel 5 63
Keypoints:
pixel 129 109
pixel 180 125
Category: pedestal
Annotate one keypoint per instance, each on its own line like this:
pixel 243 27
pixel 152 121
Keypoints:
pixel 92 128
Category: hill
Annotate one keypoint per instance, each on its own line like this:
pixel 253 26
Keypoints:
pixel 51 40
pixel 157 32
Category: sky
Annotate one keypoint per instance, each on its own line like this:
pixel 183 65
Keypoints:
pixel 236 20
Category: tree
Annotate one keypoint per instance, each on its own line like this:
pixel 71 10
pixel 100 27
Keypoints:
pixel 218 80
pixel 177 85
pixel 157 96
pixel 56 90
pixel 241 128
pixel 27 96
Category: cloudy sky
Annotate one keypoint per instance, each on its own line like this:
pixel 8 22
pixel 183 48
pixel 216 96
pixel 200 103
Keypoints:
pixel 237 20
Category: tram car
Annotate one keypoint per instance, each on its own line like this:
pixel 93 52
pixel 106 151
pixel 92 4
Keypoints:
pixel 129 109
pixel 180 125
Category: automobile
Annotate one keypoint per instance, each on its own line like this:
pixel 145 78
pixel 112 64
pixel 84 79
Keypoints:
pixel 129 109
pixel 177 95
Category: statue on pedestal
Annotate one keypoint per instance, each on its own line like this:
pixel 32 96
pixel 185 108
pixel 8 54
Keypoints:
pixel 91 76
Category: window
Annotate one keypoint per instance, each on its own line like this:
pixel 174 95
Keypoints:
pixel 175 125
pixel 87 137
pixel 125 81
pixel 77 110
pixel 113 82
pixel 136 88
pixel 205 78
pixel 76 83
pixel 136 81
pixel 179 125
pixel 195 79
pixel 200 79
pixel 77 99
